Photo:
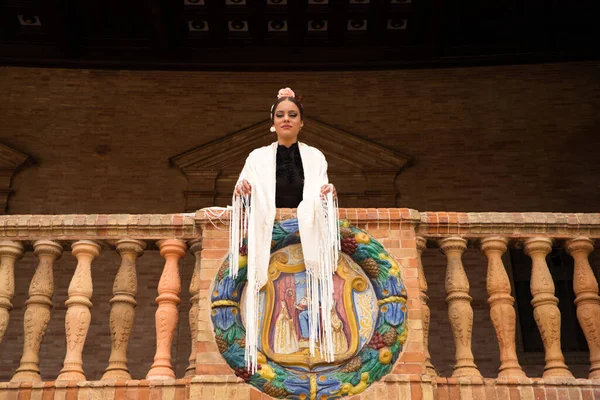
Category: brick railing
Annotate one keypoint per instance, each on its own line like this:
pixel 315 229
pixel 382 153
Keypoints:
pixel 403 232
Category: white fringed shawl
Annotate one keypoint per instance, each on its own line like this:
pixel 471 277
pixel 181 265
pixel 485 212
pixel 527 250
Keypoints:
pixel 318 224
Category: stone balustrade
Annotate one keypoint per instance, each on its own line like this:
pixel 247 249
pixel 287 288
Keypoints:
pixel 536 234
pixel 86 236
pixel 405 233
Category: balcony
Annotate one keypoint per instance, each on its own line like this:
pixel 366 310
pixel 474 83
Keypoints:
pixel 59 336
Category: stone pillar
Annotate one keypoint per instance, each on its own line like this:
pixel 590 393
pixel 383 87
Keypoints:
pixel 122 312
pixel 37 314
pixel 167 315
pixel 545 309
pixel 502 312
pixel 421 245
pixel 460 312
pixel 78 318
pixel 10 252
pixel 585 287
pixel 196 248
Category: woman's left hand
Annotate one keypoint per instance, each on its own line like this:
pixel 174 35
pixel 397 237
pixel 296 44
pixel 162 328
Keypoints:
pixel 328 188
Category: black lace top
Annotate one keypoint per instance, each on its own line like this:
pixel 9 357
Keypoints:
pixel 289 177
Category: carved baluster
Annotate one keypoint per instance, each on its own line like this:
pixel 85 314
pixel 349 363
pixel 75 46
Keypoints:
pixel 196 248
pixel 587 300
pixel 421 245
pixel 122 312
pixel 37 314
pixel 460 312
pixel 10 252
pixel 167 315
pixel 78 318
pixel 501 303
pixel 545 309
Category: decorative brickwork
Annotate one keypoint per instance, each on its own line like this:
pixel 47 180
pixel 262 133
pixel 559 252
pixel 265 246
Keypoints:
pixel 478 141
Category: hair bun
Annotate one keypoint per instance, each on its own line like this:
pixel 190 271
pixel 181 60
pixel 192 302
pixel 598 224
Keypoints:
pixel 286 92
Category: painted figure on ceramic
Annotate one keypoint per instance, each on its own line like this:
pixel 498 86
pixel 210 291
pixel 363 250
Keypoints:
pixel 285 340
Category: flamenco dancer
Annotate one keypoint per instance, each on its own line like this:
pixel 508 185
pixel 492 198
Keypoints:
pixel 287 174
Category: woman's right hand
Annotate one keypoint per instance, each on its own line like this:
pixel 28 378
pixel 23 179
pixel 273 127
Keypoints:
pixel 243 188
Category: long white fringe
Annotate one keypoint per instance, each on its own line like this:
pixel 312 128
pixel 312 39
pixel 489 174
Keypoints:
pixel 243 225
pixel 319 282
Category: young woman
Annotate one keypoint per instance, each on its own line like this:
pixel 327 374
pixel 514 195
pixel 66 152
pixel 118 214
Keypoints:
pixel 288 174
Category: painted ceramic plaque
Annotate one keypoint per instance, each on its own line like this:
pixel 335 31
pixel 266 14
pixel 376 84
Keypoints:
pixel 368 319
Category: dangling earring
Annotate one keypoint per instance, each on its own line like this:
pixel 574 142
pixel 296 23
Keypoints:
pixel 272 129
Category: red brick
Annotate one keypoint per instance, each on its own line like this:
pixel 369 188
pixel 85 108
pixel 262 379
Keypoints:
pixel 214 254
pixel 453 392
pixel 12 394
pixel 71 392
pixel 255 394
pixel 24 394
pixel 409 369
pixel 478 392
pixel 48 393
pixel 412 356
pixel 180 393
pixel 539 393
pixel 120 393
pixel 503 392
pixel 574 393
pixel 416 392
pixel 156 393
pixel 132 393
pixel 214 244
pixel 490 393
pixel 441 393
pixel 563 393
pixel 210 369
pixel 551 393
pixel 515 394
pixel 144 393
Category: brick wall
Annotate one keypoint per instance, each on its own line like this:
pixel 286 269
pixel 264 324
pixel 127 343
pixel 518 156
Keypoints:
pixel 509 138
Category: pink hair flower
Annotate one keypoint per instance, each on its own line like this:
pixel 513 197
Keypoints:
pixel 286 92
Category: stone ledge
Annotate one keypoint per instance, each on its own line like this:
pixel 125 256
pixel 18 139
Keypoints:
pixel 558 381
pixel 406 386
pixel 188 225
pixel 442 223
pixel 353 215
pixel 216 379
pixel 98 226
pixel 559 225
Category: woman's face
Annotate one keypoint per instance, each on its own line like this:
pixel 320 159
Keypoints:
pixel 287 121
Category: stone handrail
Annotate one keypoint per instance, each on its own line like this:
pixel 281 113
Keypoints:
pixel 98 226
